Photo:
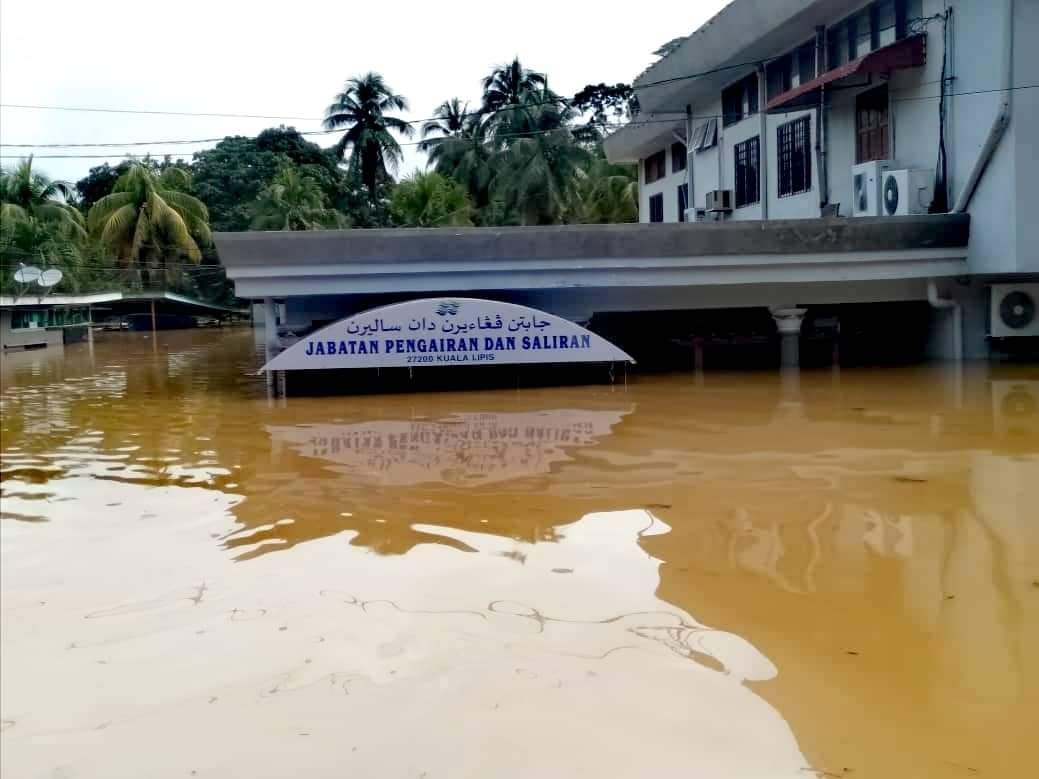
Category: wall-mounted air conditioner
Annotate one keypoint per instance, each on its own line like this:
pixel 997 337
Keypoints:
pixel 1014 310
pixel 907 192
pixel 866 179
pixel 1015 407
pixel 719 200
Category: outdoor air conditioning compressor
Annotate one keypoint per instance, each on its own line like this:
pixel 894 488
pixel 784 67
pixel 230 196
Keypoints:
pixel 907 192
pixel 719 200
pixel 1014 310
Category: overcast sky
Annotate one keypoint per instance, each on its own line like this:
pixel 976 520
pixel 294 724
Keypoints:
pixel 288 59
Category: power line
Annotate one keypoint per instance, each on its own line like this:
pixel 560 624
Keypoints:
pixel 615 126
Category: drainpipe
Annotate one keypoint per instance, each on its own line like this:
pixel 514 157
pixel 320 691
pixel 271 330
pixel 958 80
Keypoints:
pixel 957 317
pixel 763 143
pixel 999 124
pixel 689 156
pixel 820 120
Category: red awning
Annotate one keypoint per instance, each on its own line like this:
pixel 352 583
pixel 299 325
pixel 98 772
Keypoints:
pixel 906 53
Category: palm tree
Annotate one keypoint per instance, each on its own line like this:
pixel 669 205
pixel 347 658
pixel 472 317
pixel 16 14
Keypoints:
pixel 467 158
pixel 294 202
pixel 537 172
pixel 449 121
pixel 509 83
pixel 607 193
pixel 26 195
pixel 361 108
pixel 149 217
pixel 431 200
pixel 37 225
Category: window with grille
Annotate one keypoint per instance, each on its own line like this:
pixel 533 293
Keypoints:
pixel 740 100
pixel 795 156
pixel 747 158
pixel 656 167
pixel 871 125
pixel 656 208
pixel 683 201
pixel 678 157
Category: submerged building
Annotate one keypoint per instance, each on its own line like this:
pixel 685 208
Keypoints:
pixel 812 172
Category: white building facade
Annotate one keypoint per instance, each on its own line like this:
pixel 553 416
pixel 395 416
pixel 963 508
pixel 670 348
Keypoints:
pixel 802 109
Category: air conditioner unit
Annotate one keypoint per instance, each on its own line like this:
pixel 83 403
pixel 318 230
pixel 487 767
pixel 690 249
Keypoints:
pixel 1015 407
pixel 719 200
pixel 866 178
pixel 1014 310
pixel 907 192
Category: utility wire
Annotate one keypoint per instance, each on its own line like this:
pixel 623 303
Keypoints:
pixel 614 126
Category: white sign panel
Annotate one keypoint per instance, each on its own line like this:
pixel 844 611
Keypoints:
pixel 446 331
pixel 466 449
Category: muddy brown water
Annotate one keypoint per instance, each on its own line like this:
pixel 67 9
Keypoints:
pixel 730 575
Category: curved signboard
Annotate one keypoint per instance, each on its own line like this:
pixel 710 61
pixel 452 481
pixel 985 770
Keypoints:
pixel 446 331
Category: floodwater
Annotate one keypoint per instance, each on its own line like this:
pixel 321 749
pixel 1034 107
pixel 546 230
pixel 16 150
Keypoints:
pixel 731 576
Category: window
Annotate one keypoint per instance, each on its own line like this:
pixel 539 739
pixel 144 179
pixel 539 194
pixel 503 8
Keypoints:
pixel 779 76
pixel 740 100
pixel 678 159
pixel 871 125
pixel 886 28
pixel 747 178
pixel 656 208
pixel 683 201
pixel 705 136
pixel 655 167
pixel 795 157
pixel 879 24
pixel 806 63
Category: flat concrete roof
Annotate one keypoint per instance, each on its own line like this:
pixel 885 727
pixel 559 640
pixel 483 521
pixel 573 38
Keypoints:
pixel 255 250
pixel 98 298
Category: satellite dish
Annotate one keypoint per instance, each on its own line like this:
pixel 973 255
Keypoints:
pixel 49 278
pixel 27 274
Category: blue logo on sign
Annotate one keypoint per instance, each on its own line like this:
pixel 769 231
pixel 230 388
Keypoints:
pixel 448 308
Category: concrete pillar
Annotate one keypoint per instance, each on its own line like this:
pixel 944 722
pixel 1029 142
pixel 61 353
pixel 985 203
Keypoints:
pixel 788 323
pixel 270 322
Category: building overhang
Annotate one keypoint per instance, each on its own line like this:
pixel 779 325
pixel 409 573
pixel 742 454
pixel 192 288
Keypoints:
pixel 730 45
pixel 907 53
pixel 101 298
pixel 646 134
pixel 423 261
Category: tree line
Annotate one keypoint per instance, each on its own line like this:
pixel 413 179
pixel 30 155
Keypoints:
pixel 522 156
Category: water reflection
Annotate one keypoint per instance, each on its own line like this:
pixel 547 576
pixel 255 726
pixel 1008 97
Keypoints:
pixel 468 449
pixel 869 534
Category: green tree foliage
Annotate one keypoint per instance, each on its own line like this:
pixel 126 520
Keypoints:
pixel 450 120
pixel 431 200
pixel 606 193
pixel 150 222
pixel 228 178
pixel 27 194
pixel 294 201
pixel 467 158
pixel 362 110
pixel 37 224
pixel 603 105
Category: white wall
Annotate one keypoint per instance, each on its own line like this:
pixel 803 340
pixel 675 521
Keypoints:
pixel 1004 232
pixel 668 186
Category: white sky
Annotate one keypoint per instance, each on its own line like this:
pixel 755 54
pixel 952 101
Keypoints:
pixel 288 59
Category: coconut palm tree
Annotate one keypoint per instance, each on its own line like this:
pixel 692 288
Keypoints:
pixel 293 201
pixel 467 158
pixel 537 171
pixel 149 218
pixel 607 193
pixel 449 121
pixel 509 83
pixel 431 200
pixel 361 108
pixel 25 194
